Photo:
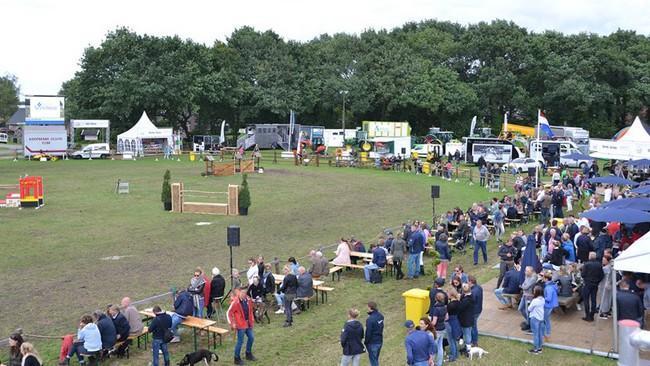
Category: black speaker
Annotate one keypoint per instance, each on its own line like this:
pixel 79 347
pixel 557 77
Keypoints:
pixel 435 191
pixel 233 236
pixel 531 172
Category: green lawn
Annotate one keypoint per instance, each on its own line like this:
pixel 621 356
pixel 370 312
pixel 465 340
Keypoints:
pixel 52 269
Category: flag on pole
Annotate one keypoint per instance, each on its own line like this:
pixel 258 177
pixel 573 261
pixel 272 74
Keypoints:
pixel 222 137
pixel 543 125
pixel 472 127
pixel 505 121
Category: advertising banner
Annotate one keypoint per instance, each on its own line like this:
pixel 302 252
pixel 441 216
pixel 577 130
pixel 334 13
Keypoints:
pixel 500 154
pixel 52 140
pixel 89 123
pixel 45 108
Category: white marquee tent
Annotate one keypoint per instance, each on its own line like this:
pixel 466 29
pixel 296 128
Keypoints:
pixel 144 132
pixel 634 144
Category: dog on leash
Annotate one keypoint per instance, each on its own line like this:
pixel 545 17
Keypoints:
pixel 193 358
pixel 476 351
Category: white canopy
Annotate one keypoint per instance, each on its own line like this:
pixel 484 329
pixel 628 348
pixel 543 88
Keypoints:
pixel 636 258
pixel 637 133
pixel 634 144
pixel 144 129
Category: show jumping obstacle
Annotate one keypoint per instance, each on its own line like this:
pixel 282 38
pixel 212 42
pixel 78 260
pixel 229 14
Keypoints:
pixel 230 208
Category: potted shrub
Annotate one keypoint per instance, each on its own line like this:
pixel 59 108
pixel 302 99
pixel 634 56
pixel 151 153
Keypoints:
pixel 244 197
pixel 166 195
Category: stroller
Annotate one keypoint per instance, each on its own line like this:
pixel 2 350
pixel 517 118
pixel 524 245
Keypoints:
pixel 461 241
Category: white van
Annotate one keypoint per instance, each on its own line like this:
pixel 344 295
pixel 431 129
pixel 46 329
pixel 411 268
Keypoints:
pixel 4 138
pixel 94 151
pixel 423 149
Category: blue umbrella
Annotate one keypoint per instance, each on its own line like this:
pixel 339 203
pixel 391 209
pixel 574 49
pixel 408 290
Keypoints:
pixel 577 156
pixel 639 163
pixel 645 189
pixel 529 258
pixel 636 203
pixel 627 216
pixel 614 180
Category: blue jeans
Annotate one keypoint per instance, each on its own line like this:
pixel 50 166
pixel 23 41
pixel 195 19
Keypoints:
pixel 483 245
pixel 366 270
pixel 467 336
pixel 498 292
pixel 413 265
pixel 547 321
pixel 423 363
pixel 351 360
pixel 176 320
pixel 78 349
pixel 156 346
pixel 279 299
pixel 440 336
pixel 537 327
pixel 373 353
pixel 198 311
pixel 240 340
pixel 475 329
pixel 523 309
pixel 453 345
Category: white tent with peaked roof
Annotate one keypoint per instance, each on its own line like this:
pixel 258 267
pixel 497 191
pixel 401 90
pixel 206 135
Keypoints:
pixel 634 144
pixel 143 134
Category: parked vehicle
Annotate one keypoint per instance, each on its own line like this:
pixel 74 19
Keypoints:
pixel 94 151
pixel 4 138
pixel 521 165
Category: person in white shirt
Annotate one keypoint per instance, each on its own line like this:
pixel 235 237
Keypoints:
pixel 536 316
pixel 607 194
pixel 253 270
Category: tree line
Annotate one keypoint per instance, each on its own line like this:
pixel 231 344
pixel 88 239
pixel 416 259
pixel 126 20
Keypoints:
pixel 429 73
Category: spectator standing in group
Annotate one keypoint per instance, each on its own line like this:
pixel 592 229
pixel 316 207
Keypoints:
pixel 197 284
pixel 159 325
pixel 527 287
pixel 253 270
pixel 420 346
pixel 288 288
pixel 438 318
pixel 374 338
pixel 236 279
pixel 378 261
pixel 536 310
pixel 629 304
pixel 398 248
pixel 442 247
pixel 352 340
pixel 605 289
pixel 453 326
pixel 592 273
pixel 217 290
pixel 416 247
pixel 584 245
pixel 241 319
pixel 477 301
pixel 481 236
pixel 466 314
pixel 507 253
pixel 550 302
pixel 268 280
pixel 15 357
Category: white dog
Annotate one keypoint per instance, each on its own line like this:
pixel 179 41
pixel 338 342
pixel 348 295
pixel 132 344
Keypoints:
pixel 476 351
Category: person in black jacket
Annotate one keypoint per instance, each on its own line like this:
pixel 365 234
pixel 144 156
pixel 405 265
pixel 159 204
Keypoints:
pixel 106 329
pixel 583 242
pixel 255 290
pixel 217 288
pixel 352 339
pixel 268 280
pixel 374 333
pixel 507 252
pixel 629 304
pixel 289 287
pixel 160 323
pixel 466 314
pixel 592 274
pixel 122 328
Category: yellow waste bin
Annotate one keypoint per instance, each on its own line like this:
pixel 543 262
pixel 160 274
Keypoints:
pixel 426 168
pixel 416 303
pixel 364 156
pixel 192 156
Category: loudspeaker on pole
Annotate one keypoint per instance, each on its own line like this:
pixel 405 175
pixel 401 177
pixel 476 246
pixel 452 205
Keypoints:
pixel 233 236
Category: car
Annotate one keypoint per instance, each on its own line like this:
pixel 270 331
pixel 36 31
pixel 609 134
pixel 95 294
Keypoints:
pixel 92 151
pixel 521 165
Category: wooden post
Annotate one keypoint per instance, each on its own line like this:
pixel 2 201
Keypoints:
pixel 233 200
pixel 275 156
pixel 177 197
pixel 295 158
pixel 317 160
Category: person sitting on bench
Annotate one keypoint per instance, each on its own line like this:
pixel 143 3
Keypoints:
pixel 320 266
pixel 378 260
pixel 106 329
pixel 122 328
pixel 89 340
pixel 305 288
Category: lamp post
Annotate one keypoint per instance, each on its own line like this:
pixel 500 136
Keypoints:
pixel 344 93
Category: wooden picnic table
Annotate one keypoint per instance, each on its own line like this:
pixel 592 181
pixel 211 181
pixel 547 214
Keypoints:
pixel 197 324
pixel 279 278
pixel 317 284
pixel 389 257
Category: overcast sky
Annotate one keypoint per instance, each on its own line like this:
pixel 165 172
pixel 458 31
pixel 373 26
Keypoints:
pixel 42 41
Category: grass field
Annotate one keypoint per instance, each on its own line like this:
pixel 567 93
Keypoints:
pixel 52 269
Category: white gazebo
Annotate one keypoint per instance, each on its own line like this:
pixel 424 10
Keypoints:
pixel 142 135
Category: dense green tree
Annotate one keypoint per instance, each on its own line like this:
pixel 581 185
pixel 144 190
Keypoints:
pixel 8 97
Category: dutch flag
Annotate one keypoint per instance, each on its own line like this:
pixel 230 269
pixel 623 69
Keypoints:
pixel 543 125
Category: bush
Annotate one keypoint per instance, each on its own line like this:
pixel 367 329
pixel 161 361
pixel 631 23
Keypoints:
pixel 244 193
pixel 166 195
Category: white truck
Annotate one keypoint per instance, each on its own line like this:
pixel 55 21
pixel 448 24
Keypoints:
pixel 92 151
pixel 553 152
pixel 578 135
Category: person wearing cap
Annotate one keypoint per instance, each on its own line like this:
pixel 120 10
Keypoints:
pixel 420 346
pixel 217 289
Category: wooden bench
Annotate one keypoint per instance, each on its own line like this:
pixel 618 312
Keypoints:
pixel 514 222
pixel 514 299
pixel 216 331
pixel 567 302
pixel 336 270
pixel 138 337
pixel 307 300
pixel 324 290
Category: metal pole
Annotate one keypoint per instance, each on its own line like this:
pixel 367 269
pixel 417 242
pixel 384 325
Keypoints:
pixel 614 310
pixel 343 117
pixel 232 281
pixel 536 158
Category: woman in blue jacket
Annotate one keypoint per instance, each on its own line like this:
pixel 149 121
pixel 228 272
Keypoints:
pixel 352 340
pixel 442 247
pixel 550 302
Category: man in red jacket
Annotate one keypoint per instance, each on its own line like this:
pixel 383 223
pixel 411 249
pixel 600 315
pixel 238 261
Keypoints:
pixel 240 317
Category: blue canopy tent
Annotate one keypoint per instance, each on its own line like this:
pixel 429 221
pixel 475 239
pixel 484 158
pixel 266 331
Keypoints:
pixel 626 216
pixel 636 203
pixel 639 163
pixel 577 156
pixel 613 180
pixel 645 189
